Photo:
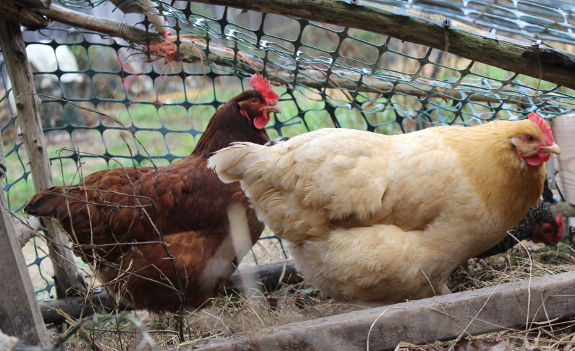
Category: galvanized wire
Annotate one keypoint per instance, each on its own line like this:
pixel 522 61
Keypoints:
pixel 547 20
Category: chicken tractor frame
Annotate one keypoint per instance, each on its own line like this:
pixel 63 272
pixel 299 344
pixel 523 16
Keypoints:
pixel 88 85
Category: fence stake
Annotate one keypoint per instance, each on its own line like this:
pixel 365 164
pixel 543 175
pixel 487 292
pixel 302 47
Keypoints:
pixel 27 103
pixel 19 310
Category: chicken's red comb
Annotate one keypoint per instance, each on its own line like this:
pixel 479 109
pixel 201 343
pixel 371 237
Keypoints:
pixel 559 234
pixel 259 83
pixel 534 117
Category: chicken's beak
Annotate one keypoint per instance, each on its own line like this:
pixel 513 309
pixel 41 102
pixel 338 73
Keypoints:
pixel 272 108
pixel 551 149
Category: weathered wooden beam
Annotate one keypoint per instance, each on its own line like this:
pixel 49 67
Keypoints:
pixel 564 208
pixel 266 275
pixel 10 343
pixel 526 7
pixel 27 105
pixel 26 229
pixel 555 66
pixel 19 311
pixel 103 25
pixel 151 10
pixel 11 12
pixel 445 317
pixel 78 306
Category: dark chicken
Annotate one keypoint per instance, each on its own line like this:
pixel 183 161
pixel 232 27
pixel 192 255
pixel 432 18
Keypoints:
pixel 117 217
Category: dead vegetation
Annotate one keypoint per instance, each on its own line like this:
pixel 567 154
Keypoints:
pixel 237 314
pixel 516 264
pixel 231 315
pixel 253 312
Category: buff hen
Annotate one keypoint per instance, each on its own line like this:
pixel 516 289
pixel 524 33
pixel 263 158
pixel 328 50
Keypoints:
pixel 378 219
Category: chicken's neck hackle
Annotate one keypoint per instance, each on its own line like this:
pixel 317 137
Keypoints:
pixel 495 170
pixel 237 127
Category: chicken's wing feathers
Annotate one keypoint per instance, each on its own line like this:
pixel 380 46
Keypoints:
pixel 312 172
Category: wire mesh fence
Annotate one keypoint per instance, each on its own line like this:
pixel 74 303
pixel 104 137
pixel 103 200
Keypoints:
pixel 542 20
pixel 103 97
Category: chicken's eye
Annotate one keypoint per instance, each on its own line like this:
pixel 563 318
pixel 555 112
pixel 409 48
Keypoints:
pixel 254 101
pixel 529 138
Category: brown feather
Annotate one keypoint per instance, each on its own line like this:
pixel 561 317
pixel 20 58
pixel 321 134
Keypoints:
pixel 112 213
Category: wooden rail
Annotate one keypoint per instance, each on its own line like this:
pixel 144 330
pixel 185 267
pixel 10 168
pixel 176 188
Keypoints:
pixel 514 305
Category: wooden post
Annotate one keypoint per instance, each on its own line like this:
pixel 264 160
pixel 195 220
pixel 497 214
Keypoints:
pixel 19 310
pixel 13 48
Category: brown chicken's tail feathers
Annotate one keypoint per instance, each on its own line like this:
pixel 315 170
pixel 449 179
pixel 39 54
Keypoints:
pixel 46 202
pixel 232 162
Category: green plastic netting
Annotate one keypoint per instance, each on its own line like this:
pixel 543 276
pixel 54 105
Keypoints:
pixel 89 82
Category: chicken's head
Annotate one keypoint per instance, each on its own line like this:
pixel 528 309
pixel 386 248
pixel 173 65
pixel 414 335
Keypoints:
pixel 256 105
pixel 535 143
pixel 548 233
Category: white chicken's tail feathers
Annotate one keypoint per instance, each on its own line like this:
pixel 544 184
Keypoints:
pixel 231 163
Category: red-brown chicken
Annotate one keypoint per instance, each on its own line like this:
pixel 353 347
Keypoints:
pixel 118 217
